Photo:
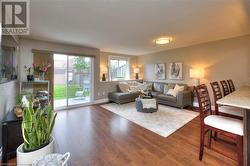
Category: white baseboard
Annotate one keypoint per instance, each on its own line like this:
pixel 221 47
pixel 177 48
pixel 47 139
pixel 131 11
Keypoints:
pixel 100 101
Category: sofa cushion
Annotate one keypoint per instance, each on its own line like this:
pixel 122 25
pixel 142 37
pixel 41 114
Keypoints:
pixel 166 97
pixel 158 87
pixel 155 93
pixel 120 96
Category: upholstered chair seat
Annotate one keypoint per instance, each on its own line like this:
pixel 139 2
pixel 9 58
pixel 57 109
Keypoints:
pixel 230 125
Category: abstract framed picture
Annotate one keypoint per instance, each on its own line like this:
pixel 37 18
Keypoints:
pixel 160 71
pixel 175 71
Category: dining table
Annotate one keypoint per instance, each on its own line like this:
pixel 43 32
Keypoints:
pixel 240 98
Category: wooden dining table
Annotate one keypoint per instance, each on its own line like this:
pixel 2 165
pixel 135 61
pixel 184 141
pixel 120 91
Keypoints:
pixel 241 99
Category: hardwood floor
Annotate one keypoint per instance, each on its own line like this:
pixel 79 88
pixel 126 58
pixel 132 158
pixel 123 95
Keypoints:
pixel 95 136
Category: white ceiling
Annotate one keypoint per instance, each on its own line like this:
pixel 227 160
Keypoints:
pixel 129 26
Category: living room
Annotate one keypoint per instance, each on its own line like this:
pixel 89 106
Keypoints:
pixel 136 91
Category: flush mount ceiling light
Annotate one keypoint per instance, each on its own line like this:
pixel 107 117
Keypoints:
pixel 163 40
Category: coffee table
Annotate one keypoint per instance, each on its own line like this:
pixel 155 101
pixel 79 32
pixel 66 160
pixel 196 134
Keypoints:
pixel 140 108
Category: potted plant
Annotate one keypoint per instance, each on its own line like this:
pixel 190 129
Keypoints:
pixel 36 129
pixel 29 72
pixel 41 69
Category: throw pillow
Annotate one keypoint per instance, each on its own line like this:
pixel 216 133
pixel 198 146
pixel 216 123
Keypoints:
pixel 167 87
pixel 133 83
pixel 147 87
pixel 158 87
pixel 124 87
pixel 172 92
pixel 179 88
pixel 134 89
pixel 141 87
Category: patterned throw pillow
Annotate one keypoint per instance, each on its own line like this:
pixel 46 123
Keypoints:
pixel 147 87
pixel 158 87
pixel 167 87
pixel 124 87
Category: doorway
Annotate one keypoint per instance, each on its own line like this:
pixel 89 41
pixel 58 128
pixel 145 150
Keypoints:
pixel 73 77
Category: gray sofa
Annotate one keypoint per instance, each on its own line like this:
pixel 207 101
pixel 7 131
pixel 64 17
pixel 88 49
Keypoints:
pixel 183 98
pixel 120 97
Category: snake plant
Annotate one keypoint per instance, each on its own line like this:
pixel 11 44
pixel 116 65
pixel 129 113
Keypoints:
pixel 37 126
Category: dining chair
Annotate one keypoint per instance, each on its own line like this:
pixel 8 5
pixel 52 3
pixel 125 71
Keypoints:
pixel 230 127
pixel 231 85
pixel 228 111
pixel 226 90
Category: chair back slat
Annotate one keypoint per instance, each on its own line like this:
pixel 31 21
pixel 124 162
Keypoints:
pixel 225 87
pixel 231 85
pixel 217 95
pixel 204 100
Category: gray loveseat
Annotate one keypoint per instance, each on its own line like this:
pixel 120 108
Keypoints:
pixel 183 98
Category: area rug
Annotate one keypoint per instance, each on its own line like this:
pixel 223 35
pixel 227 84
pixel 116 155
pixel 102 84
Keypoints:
pixel 163 122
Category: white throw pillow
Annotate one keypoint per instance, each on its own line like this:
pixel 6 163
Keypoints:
pixel 178 88
pixel 167 87
pixel 172 92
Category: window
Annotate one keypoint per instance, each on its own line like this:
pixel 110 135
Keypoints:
pixel 118 68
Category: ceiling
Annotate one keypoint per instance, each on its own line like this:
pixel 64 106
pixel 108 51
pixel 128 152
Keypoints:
pixel 130 26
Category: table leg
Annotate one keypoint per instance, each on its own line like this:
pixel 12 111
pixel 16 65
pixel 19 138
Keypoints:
pixel 246 149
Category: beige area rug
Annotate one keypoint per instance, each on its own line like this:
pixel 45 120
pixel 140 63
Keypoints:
pixel 163 122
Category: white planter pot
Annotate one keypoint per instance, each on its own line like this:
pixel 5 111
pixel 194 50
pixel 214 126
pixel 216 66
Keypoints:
pixel 26 158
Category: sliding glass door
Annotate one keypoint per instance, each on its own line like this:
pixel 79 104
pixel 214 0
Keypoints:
pixel 79 79
pixel 72 80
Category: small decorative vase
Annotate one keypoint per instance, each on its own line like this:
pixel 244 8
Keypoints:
pixel 30 77
pixel 41 76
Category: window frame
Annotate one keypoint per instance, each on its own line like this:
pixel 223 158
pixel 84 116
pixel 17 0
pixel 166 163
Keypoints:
pixel 118 58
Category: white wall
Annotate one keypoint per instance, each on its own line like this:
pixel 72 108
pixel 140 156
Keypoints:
pixel 223 59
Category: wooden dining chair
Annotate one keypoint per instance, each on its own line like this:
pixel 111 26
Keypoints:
pixel 231 85
pixel 225 88
pixel 228 111
pixel 230 127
